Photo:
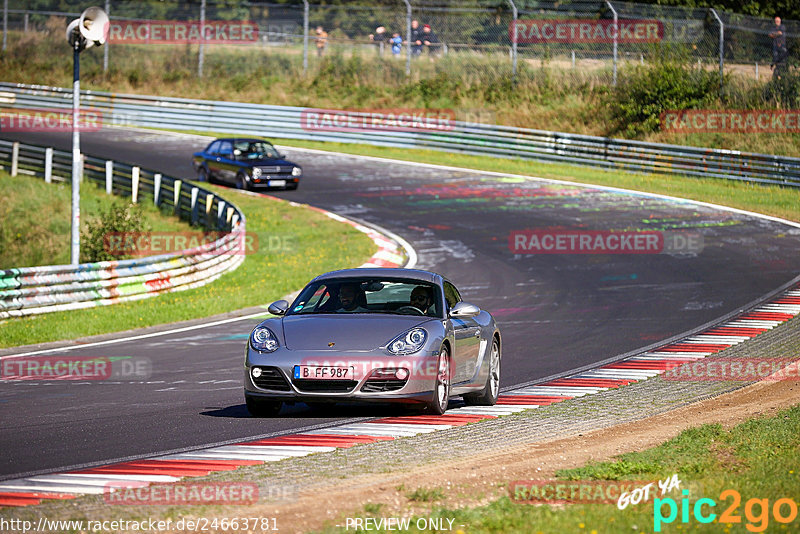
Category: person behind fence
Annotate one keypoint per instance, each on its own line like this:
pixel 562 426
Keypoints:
pixel 429 40
pixel 379 37
pixel 321 40
pixel 416 38
pixel 397 44
pixel 779 51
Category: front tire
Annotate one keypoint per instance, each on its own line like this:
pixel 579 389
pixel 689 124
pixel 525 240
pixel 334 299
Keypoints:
pixel 441 388
pixel 241 183
pixel 262 408
pixel 488 395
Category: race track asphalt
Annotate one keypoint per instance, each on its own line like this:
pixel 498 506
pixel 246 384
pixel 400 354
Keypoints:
pixel 557 311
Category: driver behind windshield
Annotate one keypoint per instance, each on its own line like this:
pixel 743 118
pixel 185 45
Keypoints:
pixel 422 299
pixel 351 296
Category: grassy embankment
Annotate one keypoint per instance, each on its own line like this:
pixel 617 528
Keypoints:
pixel 758 459
pixel 36 219
pixel 287 255
pixel 548 95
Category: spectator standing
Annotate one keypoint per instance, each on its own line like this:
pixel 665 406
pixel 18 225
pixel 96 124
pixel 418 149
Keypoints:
pixel 397 44
pixel 429 39
pixel 416 38
pixel 321 40
pixel 779 51
pixel 379 38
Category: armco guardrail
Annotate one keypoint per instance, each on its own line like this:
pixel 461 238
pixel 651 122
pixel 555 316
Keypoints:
pixel 467 138
pixel 35 290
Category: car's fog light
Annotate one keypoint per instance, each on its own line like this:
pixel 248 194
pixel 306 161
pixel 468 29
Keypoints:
pixel 256 372
pixel 401 374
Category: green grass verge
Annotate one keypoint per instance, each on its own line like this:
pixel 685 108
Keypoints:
pixel 36 219
pixel 294 245
pixel 759 459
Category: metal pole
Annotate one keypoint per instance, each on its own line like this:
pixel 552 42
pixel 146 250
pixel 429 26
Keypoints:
pixel 721 47
pixel 5 24
pixel 202 38
pixel 616 37
pixel 305 36
pixel 408 37
pixel 75 230
pixel 515 15
pixel 105 48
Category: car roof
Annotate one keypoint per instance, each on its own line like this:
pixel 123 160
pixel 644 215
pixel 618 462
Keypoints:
pixel 382 272
pixel 239 139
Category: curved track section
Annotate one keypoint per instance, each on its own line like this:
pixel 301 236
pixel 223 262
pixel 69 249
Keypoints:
pixel 558 311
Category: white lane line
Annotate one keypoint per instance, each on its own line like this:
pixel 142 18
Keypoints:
pixel 411 427
pixel 143 478
pixel 643 374
pixel 103 483
pixel 24 485
pixel 558 391
pixel 498 409
pixel 686 358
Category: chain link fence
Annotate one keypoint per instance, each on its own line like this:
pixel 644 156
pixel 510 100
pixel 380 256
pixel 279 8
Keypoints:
pixel 479 38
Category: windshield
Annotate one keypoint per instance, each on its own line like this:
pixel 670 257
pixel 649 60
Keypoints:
pixel 248 149
pixel 369 295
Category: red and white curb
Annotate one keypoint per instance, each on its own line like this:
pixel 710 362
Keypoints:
pixel 173 467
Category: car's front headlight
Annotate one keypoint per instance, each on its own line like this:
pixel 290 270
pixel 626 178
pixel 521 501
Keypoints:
pixel 297 171
pixel 263 340
pixel 409 342
pixel 256 172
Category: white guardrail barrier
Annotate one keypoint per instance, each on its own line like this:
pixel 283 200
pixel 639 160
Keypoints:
pixel 462 137
pixel 35 290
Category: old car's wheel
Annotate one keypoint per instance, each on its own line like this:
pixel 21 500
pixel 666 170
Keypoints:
pixel 488 396
pixel 241 182
pixel 441 389
pixel 262 408
pixel 202 175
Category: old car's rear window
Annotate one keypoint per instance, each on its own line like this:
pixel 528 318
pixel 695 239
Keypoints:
pixel 369 295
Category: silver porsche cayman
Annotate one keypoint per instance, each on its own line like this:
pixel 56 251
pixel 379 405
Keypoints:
pixel 374 335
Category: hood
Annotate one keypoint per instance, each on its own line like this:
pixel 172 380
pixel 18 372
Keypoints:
pixel 270 161
pixel 350 332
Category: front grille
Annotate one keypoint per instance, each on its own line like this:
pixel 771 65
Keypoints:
pixel 383 384
pixel 325 386
pixel 271 378
pixel 276 169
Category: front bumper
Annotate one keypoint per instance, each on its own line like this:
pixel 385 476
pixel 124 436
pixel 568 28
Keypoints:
pixel 375 376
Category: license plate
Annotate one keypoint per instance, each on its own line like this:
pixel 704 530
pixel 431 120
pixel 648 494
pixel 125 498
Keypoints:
pixel 277 183
pixel 323 372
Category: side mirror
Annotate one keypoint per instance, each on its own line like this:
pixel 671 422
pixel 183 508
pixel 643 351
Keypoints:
pixel 463 310
pixel 278 307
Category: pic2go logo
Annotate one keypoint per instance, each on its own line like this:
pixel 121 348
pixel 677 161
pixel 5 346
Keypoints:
pixel 756 511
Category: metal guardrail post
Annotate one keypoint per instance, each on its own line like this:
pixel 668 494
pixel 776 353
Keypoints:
pixel 616 38
pixel 14 159
pixel 202 38
pixel 305 36
pixel 721 47
pixel 109 176
pixel 157 189
pixel 408 37
pixel 176 196
pixel 48 165
pixel 195 192
pixel 515 15
pixel 135 185
pixel 105 48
